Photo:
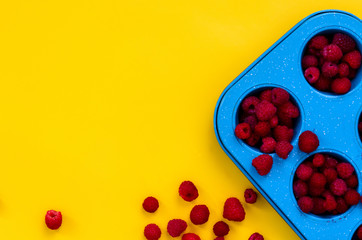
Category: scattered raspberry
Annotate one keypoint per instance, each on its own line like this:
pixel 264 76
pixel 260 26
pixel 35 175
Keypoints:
pixel 150 204
pixel 330 174
pixel 199 214
pixel 289 110
pixel 300 188
pixel 243 131
pixel 341 85
pixel 176 227
pixel 279 96
pixel 318 206
pixel 345 170
pixel 190 236
pixel 253 139
pixel 221 229
pixel 273 122
pixel 343 70
pixel 330 203
pixel 268 145
pixel 53 219
pixel 283 133
pixel 233 210
pixel 309 61
pixel 265 110
pixel 263 164
pixel 283 148
pixel 312 74
pixel 251 120
pixel 262 129
pixel 250 195
pixel 344 42
pixel 306 204
pixel 342 206
pixel 352 181
pixel 352 197
pixel 329 69
pixel 248 105
pixel 308 142
pixel 332 53
pixel 152 232
pixel 256 236
pixel 188 191
pixel 338 187
pixel 304 172
pixel 318 42
pixel 318 160
pixel 353 59
pixel 266 95
pixel 318 180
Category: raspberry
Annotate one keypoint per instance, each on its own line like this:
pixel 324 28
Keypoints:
pixel 150 204
pixel 318 180
pixel 330 203
pixel 342 206
pixel 315 191
pixel 256 236
pixel 250 195
pixel 282 133
pixel 330 162
pixel 248 105
pixel 318 42
pixel 263 164
pixel 304 172
pixel 265 110
pixel 279 96
pixel 338 187
pixel 220 238
pixel 352 181
pixel 329 69
pixel 308 142
pixel 345 170
pixel 309 61
pixel 273 122
pixel 300 188
pixel 323 83
pixel 233 210
pixel 221 229
pixel 283 148
pixel 341 85
pixel 266 95
pixel 268 145
pixel 176 227
pixel 343 70
pixel 330 174
pixel 190 236
pixel 353 59
pixel 318 160
pixel 252 121
pixel 253 140
pixel 152 232
pixel 288 110
pixel 359 232
pixel 199 214
pixel 311 74
pixel 352 197
pixel 262 129
pixel 188 191
pixel 332 53
pixel 285 121
pixel 243 130
pixel 306 204
pixel 318 206
pixel 53 219
pixel 344 42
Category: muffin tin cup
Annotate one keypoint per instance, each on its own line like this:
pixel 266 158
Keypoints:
pixel 332 117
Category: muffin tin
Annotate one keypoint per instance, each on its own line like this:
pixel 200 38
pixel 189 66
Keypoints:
pixel 334 118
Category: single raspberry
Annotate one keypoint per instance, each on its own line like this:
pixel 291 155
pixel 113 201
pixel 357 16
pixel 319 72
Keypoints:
pixel 283 148
pixel 304 172
pixel 53 219
pixel 318 160
pixel 256 236
pixel 188 191
pixel 265 110
pixel 176 227
pixel 150 204
pixel 342 206
pixel 318 42
pixel 152 232
pixel 243 130
pixel 263 164
pixel 341 85
pixel 330 162
pixel 330 174
pixel 345 170
pixel 338 187
pixel 199 214
pixel 344 42
pixel 233 210
pixel 359 232
pixel 323 83
pixel 311 74
pixel 318 206
pixel 273 122
pixel 352 197
pixel 253 139
pixel 306 204
pixel 250 196
pixel 343 70
pixel 329 69
pixel 268 145
pixel 279 96
pixel 330 203
pixel 332 53
pixel 308 142
pixel 352 181
pixel 318 180
pixel 315 191
pixel 282 133
pixel 300 188
pixel 248 105
pixel 309 61
pixel 266 95
pixel 262 128
pixel 190 236
pixel 251 120
pixel 353 59
pixel 221 228
pixel 288 109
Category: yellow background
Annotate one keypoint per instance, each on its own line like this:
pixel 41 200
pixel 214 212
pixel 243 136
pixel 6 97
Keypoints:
pixel 103 103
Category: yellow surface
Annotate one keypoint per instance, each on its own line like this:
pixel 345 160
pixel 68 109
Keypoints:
pixel 103 103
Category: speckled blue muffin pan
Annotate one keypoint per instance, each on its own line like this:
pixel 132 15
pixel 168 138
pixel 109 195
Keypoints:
pixel 334 118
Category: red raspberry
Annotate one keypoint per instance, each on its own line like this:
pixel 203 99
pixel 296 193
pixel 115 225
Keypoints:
pixel 190 236
pixel 288 110
pixel 150 204
pixel 314 52
pixel 152 232
pixel 308 142
pixel 330 203
pixel 199 214
pixel 318 160
pixel 318 180
pixel 248 105
pixel 176 227
pixel 256 236
pixel 329 69
pixel 188 191
pixel 352 197
pixel 353 59
pixel 342 206
pixel 268 145
pixel 53 219
pixel 279 96
pixel 250 196
pixel 309 61
pixel 315 191
pixel 359 232
pixel 343 70
pixel 332 53
pixel 344 42
pixel 233 210
pixel 221 229
pixel 251 120
pixel 352 181
pixel 345 170
pixel 331 174
pixel 266 95
pixel 306 204
pixel 243 130
pixel 318 206
pixel 323 83
pixel 341 85
pixel 273 122
pixel 263 164
pixel 330 162
pixel 311 74
pixel 265 110
pixel 304 172
pixel 262 129
pixel 318 42
pixel 300 188
pixel 252 140
pixel 338 187
pixel 282 133
pixel 283 148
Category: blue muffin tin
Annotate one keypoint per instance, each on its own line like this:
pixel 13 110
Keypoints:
pixel 334 118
